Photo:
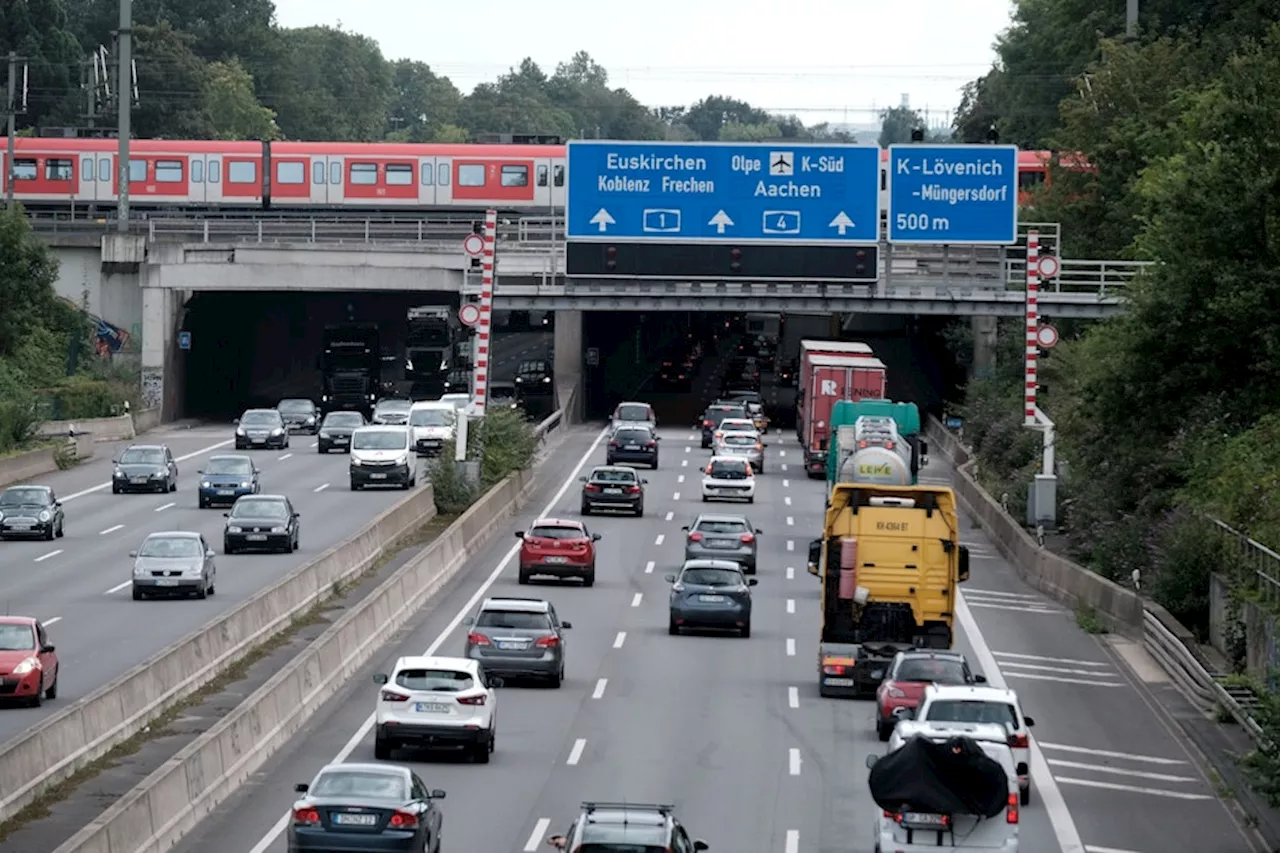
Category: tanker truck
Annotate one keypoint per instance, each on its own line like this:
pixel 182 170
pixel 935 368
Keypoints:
pixel 876 442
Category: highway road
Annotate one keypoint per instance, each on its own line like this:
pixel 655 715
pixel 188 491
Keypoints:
pixel 732 730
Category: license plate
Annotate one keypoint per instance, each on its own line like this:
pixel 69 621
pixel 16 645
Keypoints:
pixel 377 476
pixel 166 582
pixel 20 526
pixel 632 447
pixel 137 480
pixel 922 820
pixel 838 682
pixel 225 492
pixel 713 599
pixel 431 707
pixel 557 559
pixel 613 491
pixel 723 543
pixel 513 646
pixel 341 440
pixel 257 537
pixel 259 440
pixel 356 819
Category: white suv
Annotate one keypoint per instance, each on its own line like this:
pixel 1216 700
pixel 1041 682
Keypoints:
pixel 958 703
pixel 728 478
pixel 436 701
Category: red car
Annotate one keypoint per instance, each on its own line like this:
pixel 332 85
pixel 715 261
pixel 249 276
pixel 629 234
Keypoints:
pixel 557 548
pixel 28 661
pixel 909 674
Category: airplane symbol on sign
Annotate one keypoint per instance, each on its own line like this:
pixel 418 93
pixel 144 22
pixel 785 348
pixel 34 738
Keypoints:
pixel 781 163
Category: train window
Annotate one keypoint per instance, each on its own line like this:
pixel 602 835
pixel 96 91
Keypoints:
pixel 104 168
pixel 24 169
pixel 215 171
pixel 197 171
pixel 428 174
pixel 471 175
pixel 317 173
pixel 1030 179
pixel 542 176
pixel 442 174
pixel 58 169
pixel 399 174
pixel 169 171
pixel 515 176
pixel 86 168
pixel 242 172
pixel 290 173
pixel 559 176
pixel 137 171
pixel 335 173
pixel 364 173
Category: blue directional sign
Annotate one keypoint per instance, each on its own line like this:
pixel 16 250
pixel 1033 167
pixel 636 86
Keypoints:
pixel 669 192
pixel 184 340
pixel 956 194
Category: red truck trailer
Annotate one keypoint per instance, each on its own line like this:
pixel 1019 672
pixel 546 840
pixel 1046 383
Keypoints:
pixel 812 347
pixel 829 379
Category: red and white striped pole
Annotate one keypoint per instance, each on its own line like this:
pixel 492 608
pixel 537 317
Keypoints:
pixel 480 393
pixel 1033 323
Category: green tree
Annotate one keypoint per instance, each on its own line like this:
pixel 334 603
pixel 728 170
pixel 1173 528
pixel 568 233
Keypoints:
pixel 330 85
pixel 706 118
pixel 896 125
pixel 41 31
pixel 423 104
pixel 171 80
pixel 28 270
pixel 749 132
pixel 229 104
pixel 519 102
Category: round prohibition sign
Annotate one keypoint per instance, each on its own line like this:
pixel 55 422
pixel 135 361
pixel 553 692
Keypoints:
pixel 473 245
pixel 1046 336
pixel 1048 266
pixel 469 314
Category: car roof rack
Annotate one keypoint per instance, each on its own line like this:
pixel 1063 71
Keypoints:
pixel 662 809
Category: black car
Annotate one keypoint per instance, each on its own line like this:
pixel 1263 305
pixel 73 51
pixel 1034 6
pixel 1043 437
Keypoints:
pixel 677 374
pixel 365 808
pixel 613 487
pixel 534 377
pixel 263 428
pixel 627 826
pixel 633 444
pixel 458 380
pixel 299 415
pixel 30 511
pixel 145 468
pixel 335 431
pixel 716 413
pixel 261 523
pixel 710 594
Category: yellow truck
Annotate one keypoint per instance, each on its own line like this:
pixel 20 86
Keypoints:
pixel 890 561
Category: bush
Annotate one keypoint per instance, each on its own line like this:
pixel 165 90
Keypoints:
pixel 503 442
pixel 80 397
pixel 18 424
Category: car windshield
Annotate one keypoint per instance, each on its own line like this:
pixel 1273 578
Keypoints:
pixel 380 440
pixel 142 457
pixel 619 847
pixel 712 577
pixel 432 418
pixel 716 414
pixel 24 497
pixel 632 436
pixel 502 392
pixel 297 406
pixel 259 418
pixel 17 638
pixel 170 546
pixel 971 711
pixel 725 526
pixel 532 367
pixel 613 476
pixel 930 669
pixel 361 784
pixel 739 440
pixel 728 470
pixel 517 620
pixel 259 508
pixel 435 680
pixel 633 413
pixel 229 465
pixel 556 531
pixel 393 406
pixel 344 419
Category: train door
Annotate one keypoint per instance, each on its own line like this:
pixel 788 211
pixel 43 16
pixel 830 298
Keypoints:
pixel 427 181
pixel 328 172
pixel 86 180
pixel 198 165
pixel 444 181
pixel 558 181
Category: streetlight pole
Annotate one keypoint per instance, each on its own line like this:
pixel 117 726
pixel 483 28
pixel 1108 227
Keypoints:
pixel 124 99
pixel 1131 19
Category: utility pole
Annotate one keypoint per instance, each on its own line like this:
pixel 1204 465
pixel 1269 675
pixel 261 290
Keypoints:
pixel 124 100
pixel 1131 19
pixel 13 107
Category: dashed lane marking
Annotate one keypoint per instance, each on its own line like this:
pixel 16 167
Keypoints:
pixel 670 515
pixel 284 457
pixel 163 507
pixel 793 697
pixel 791 545
pixel 791 647
pixel 50 555
pixel 117 587
pixel 112 529
pixel 791 573
pixel 636 599
pixel 648 567
pixel 48 622
pixel 620 639
pixel 791 605
pixel 793 841
pixel 599 691
pixel 793 761
pixel 575 754
pixel 535 837
pixel 662 537
pixel 321 487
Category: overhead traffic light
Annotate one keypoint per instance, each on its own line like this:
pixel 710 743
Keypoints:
pixel 917 134
pixel 735 261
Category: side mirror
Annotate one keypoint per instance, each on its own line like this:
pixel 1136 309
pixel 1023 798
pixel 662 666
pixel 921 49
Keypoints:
pixel 582 479
pixel 669 578
pixel 302 787
pixel 979 679
pixel 686 527
pixel 133 553
pixel 496 682
pixel 437 794
pixel 209 553
pixel 257 470
pixel 519 534
pixel 752 581
pixel 595 537
pixel 964 563
pixel 226 515
pixel 699 845
pixel 904 713
pixel 1029 721
pixel 644 482
pixel 48 649
pixel 201 471
pixel 469 621
pixel 871 761
pixel 115 461
pixel 381 678
pixel 556 841
pixel 566 625
pixel 235 422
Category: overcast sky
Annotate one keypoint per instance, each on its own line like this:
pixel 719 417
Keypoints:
pixel 825 60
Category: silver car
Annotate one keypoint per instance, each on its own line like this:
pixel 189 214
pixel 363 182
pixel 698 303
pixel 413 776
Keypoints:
pixel 173 563
pixel 392 412
pixel 742 445
pixel 518 637
pixel 723 537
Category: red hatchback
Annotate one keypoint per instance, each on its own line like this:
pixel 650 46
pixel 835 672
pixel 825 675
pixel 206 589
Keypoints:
pixel 28 661
pixel 558 548
pixel 908 676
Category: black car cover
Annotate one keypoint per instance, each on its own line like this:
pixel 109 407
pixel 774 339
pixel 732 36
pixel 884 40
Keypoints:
pixel 952 777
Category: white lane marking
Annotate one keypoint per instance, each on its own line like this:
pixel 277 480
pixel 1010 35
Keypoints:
pixel 783 466
pixel 1093 848
pixel 321 487
pixel 793 697
pixel 284 457
pixel 1054 678
pixel 112 529
pixel 575 754
pixel 680 479
pixel 791 647
pixel 163 507
pixel 1106 753
pixel 314 444
pixel 684 463
pixel 791 573
pixel 793 841
pixel 984 605
pixel 599 691
pixel 360 734
pixel 636 599
pixel 782 453
pixel 787 500
pixel 48 622
pixel 793 760
pixel 117 587
pixel 535 837
pixel 44 557
pixel 662 537
pixel 1134 789
pixel 648 567
pixel 676 496
pixel 1120 771
pixel 688 450
pixel 670 514
pixel 786 484
pixel 620 639
pixel 1092 673
pixel 791 605
pixel 192 455
pixel 995 593
pixel 791 522
pixel 1071 661
pixel 791 545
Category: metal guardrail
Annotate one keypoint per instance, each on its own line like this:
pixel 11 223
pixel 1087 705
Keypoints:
pixel 1255 564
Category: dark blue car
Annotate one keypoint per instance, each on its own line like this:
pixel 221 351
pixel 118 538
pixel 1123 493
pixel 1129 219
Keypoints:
pixel 225 478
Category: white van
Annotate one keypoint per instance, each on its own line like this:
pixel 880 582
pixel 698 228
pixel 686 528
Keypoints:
pixel 918 833
pixel 382 456
pixel 432 423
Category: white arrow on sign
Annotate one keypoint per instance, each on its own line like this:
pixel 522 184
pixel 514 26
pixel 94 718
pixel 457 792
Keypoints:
pixel 603 219
pixel 720 221
pixel 841 223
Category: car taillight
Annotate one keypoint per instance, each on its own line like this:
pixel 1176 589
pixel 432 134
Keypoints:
pixel 391 696
pixel 592 488
pixel 707 424
pixel 477 639
pixel 747 538
pixel 651 444
pixel 633 490
pixel 306 816
pixel 403 820
pixel 833 669
pixel 695 537
pixel 1011 813
pixel 1018 742
pixel 547 642
pixel 613 444
pixel 471 700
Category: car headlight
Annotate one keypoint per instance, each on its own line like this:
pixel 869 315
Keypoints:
pixel 244 484
pixel 204 484
pixel 277 431
pixel 355 461
pixel 138 570
pixel 239 430
pixel 44 515
pixel 401 460
pixel 27 665
pixel 234 529
pixel 311 419
pixel 1 515
pixel 118 473
pixel 324 433
pixel 546 379
pixel 277 530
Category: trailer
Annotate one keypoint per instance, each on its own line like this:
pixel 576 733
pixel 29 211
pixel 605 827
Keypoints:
pixel 828 380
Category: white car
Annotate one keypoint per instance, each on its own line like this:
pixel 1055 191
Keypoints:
pixel 432 424
pixel 728 478
pixel 916 833
pixel 734 425
pixel 382 456
pixel 959 703
pixel 741 445
pixel 436 701
pixel 458 401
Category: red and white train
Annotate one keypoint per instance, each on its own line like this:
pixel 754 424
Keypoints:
pixel 199 174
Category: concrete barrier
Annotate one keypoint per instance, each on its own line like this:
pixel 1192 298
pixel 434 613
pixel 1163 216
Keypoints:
pixel 119 428
pixel 145 420
pixel 26 466
pixel 61 744
pixel 1120 609
pixel 171 801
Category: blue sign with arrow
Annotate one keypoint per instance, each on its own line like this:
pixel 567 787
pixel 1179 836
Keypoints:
pixel 955 194
pixel 713 192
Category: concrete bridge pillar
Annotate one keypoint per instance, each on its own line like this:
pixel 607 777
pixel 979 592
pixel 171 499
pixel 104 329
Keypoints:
pixel 162 374
pixel 567 355
pixel 985 344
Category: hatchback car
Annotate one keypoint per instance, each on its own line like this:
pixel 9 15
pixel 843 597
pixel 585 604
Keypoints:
pixel 145 468
pixel 382 456
pixel 264 428
pixel 727 478
pixel 372 808
pixel 613 487
pixel 429 702
pixel 633 827
pixel 392 412
pixel 716 413
pixel 634 413
pixel 299 415
pixel 335 431
pixel 907 677
pixel 710 594
pixel 173 563
pixel 634 444
pixel 28 661
pixel 742 445
pixel 558 548
pixel 732 425
pixel 261 523
pixel 226 478
pixel 723 537
pixel 518 637
pixel 30 512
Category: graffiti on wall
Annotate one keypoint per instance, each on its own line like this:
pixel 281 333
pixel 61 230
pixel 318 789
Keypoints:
pixel 152 387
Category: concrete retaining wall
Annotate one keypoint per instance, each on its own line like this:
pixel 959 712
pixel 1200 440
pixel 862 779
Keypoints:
pixel 145 420
pixel 172 800
pixel 103 429
pixel 27 466
pixel 68 740
pixel 1075 586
